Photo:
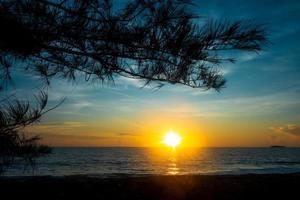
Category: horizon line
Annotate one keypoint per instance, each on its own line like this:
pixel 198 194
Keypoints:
pixel 177 148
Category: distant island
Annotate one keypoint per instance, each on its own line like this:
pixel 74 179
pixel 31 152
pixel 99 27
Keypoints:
pixel 277 146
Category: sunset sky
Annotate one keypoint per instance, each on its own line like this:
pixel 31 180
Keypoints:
pixel 260 105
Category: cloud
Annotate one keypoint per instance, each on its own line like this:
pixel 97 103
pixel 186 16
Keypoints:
pixel 125 82
pixel 71 124
pixel 74 140
pixel 292 129
pixel 126 134
pixel 245 57
pixel 73 137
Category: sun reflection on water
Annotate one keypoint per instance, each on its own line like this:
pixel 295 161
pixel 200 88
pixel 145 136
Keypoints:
pixel 170 161
pixel 172 167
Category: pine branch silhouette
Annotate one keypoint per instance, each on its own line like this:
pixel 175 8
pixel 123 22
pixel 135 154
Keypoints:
pixel 14 116
pixel 157 41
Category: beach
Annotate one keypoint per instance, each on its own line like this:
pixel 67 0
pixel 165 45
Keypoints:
pixel 247 186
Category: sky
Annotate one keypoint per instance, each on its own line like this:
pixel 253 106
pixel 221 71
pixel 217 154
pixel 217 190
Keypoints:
pixel 259 107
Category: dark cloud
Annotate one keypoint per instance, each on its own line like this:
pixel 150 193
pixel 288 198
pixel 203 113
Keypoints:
pixel 126 134
pixel 74 137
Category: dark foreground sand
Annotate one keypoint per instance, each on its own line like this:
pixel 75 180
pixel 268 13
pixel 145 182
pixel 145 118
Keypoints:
pixel 272 186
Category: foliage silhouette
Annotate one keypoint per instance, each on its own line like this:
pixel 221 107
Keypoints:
pixel 149 40
pixel 157 41
pixel 15 115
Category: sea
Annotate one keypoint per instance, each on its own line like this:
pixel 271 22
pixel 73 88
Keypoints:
pixel 123 162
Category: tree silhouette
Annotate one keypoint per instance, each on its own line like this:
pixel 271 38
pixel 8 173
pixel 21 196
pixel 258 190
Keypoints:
pixel 15 115
pixel 157 41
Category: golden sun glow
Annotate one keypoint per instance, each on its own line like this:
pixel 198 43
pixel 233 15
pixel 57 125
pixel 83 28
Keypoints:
pixel 172 139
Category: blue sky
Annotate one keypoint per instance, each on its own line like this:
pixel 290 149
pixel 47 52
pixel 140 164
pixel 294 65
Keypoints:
pixel 262 89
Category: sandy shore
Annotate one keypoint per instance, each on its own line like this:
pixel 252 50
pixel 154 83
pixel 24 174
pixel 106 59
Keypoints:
pixel 267 186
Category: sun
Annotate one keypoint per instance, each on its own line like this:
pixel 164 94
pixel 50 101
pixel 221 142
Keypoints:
pixel 172 139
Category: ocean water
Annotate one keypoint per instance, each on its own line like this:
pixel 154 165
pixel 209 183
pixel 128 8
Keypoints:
pixel 116 162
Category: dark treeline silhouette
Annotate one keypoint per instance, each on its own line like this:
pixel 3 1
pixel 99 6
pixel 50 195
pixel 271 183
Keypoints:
pixel 154 41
